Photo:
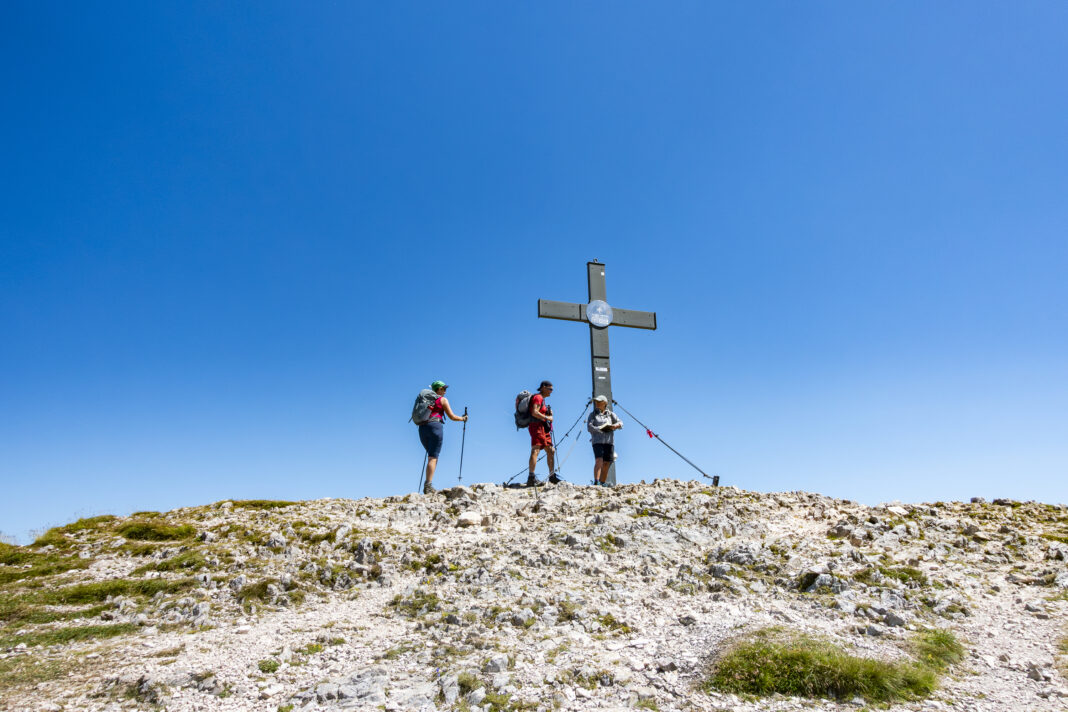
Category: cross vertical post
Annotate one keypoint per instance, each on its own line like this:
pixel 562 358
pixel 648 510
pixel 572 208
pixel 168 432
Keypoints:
pixel 600 367
pixel 599 315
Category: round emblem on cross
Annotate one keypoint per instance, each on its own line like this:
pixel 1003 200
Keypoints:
pixel 598 313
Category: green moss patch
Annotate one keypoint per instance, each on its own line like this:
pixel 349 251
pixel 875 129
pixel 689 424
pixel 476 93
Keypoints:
pixel 773 661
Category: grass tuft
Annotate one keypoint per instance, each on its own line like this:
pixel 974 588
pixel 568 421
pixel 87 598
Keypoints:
pixel 773 661
pixel 61 636
pixel 254 592
pixel 186 560
pixel 18 563
pixel 101 590
pixel 59 536
pixel 26 671
pixel 938 649
pixel 143 530
pixel 420 603
pixel 262 503
pixel 905 574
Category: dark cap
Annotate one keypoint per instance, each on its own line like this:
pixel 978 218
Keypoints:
pixel 544 384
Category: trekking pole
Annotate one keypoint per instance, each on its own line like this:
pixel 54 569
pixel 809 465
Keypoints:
pixel 463 439
pixel 422 471
pixel 650 433
pixel 525 469
pixel 556 453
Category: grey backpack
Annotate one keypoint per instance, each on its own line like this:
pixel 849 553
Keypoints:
pixel 522 410
pixel 423 403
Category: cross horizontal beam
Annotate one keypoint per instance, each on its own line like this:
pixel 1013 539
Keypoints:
pixel 569 311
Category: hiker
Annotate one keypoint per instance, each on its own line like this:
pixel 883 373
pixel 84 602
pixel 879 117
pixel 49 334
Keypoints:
pixel 431 431
pixel 602 425
pixel 541 434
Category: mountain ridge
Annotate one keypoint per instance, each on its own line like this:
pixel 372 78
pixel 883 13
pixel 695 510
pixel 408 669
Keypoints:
pixel 487 598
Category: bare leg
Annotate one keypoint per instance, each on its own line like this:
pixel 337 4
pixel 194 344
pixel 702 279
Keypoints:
pixel 596 471
pixel 431 464
pixel 550 457
pixel 533 460
pixel 605 464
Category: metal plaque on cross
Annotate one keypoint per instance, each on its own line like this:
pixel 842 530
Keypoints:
pixel 599 315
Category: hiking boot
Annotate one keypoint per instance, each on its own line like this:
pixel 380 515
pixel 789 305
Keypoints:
pixel 555 479
pixel 428 488
pixel 533 481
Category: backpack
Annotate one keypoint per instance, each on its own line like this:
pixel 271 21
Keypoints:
pixel 522 410
pixel 423 402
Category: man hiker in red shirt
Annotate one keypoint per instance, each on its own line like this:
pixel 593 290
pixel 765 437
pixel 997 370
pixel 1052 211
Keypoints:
pixel 541 433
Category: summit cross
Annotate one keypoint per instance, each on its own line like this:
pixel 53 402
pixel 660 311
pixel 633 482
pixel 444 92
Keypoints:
pixel 599 315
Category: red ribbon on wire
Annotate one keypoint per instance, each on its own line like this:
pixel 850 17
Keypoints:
pixel 649 433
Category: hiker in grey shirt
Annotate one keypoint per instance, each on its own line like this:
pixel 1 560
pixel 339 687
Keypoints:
pixel 602 425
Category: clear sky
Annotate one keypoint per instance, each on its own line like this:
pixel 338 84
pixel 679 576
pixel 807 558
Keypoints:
pixel 237 238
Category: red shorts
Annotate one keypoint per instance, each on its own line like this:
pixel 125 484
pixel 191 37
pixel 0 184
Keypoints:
pixel 539 436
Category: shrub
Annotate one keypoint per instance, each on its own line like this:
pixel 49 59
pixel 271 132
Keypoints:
pixel 269 665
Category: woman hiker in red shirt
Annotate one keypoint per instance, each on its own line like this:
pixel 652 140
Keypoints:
pixel 432 432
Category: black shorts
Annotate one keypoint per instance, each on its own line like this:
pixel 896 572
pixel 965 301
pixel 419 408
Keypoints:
pixel 603 451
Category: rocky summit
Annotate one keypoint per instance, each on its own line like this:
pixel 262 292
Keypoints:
pixel 486 598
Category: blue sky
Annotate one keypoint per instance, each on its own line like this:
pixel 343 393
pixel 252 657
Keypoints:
pixel 236 241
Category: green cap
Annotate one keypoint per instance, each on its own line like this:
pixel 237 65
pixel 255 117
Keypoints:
pixel 438 384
